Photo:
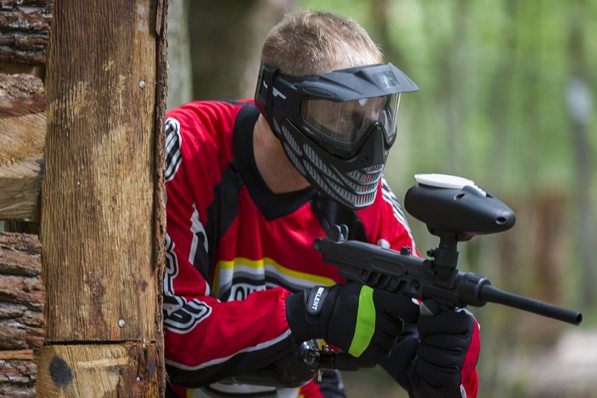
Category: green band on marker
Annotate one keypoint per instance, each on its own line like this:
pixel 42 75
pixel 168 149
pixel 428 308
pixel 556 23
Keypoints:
pixel 365 323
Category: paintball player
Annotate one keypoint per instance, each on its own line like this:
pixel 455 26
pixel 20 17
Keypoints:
pixel 251 184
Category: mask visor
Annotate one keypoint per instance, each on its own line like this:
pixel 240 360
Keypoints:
pixel 341 126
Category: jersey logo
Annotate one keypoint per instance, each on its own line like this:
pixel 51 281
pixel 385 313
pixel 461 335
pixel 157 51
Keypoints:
pixel 171 270
pixel 185 318
pixel 173 143
pixel 179 315
pixel 240 291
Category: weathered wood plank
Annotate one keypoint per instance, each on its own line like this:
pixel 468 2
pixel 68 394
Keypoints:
pixel 98 188
pixel 24 31
pixel 22 143
pixel 107 370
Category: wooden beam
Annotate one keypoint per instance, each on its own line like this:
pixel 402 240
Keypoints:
pixel 22 143
pixel 24 31
pixel 106 370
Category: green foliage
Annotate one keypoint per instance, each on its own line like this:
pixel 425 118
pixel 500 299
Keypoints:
pixel 493 78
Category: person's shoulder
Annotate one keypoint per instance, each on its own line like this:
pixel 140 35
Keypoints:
pixel 208 109
pixel 207 119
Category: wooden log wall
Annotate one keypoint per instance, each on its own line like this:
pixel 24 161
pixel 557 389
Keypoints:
pixel 22 143
pixel 24 34
pixel 24 31
pixel 22 298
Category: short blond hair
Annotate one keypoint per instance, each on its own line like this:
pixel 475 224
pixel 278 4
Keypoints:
pixel 309 43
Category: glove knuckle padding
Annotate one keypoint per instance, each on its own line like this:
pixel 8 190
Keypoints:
pixel 442 358
pixel 448 349
pixel 447 342
pixel 438 376
pixel 448 322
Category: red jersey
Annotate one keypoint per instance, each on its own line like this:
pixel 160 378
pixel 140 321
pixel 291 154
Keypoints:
pixel 236 250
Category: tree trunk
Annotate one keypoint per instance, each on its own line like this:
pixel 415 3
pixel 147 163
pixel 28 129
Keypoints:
pixel 226 56
pixel 180 82
pixel 580 106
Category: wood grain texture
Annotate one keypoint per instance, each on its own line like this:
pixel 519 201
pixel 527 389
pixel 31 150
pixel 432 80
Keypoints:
pixel 98 190
pixel 107 370
pixel 24 31
pixel 159 187
pixel 22 143
pixel 22 298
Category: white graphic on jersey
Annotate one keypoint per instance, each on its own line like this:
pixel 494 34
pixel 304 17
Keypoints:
pixel 198 234
pixel 389 197
pixel 179 315
pixel 171 267
pixel 187 317
pixel 173 144
pixel 240 291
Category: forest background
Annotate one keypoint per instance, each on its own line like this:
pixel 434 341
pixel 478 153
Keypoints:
pixel 506 99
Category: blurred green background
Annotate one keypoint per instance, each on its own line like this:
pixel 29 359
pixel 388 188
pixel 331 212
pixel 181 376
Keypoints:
pixel 507 99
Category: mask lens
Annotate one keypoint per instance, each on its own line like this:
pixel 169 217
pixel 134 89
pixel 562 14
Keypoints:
pixel 343 124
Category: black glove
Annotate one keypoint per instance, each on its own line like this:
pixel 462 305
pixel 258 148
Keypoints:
pixel 362 321
pixel 449 347
pixel 443 358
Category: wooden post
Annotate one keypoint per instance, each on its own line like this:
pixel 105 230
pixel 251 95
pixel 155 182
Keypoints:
pixel 102 197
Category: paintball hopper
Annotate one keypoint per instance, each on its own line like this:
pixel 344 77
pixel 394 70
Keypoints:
pixel 455 208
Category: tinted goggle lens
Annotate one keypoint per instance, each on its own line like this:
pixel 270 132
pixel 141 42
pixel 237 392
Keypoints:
pixel 344 124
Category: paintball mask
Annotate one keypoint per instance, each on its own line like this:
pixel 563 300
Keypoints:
pixel 336 128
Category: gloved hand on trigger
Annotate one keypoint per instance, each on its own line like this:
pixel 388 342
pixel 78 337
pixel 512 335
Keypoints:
pixel 447 354
pixel 362 321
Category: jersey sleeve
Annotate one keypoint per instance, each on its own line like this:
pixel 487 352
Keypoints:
pixel 205 339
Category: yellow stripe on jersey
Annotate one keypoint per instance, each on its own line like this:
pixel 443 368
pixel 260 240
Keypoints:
pixel 225 270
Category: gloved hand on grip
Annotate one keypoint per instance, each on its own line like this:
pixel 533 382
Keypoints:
pixel 447 354
pixel 362 321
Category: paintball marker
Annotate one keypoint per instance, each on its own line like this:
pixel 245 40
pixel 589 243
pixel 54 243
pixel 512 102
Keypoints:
pixel 455 210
